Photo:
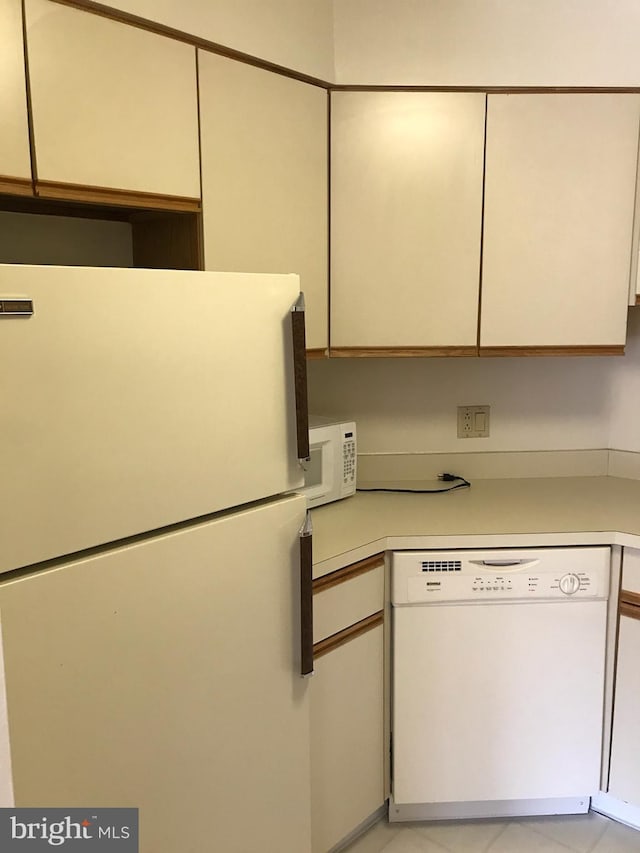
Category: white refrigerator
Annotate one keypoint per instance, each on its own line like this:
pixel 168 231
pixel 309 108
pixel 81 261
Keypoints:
pixel 152 590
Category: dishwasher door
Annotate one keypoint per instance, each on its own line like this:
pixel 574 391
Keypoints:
pixel 497 706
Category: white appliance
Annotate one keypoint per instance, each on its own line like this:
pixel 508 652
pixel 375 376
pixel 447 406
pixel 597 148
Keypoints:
pixel 149 539
pixel 498 681
pixel 331 470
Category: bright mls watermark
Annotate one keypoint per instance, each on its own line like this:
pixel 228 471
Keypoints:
pixel 106 830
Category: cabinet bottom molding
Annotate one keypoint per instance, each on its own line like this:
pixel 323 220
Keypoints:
pixel 629 604
pixel 401 352
pixel 117 197
pixel 507 352
pixel 15 186
pixel 327 645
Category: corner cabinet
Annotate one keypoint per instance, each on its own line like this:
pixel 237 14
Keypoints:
pixel 558 216
pixel 114 108
pixel 15 158
pixel 264 178
pixel 347 702
pixel 406 219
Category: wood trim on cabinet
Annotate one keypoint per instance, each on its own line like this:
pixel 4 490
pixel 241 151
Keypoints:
pixel 336 640
pixel 15 186
pixel 629 610
pixel 638 299
pixel 347 573
pixel 489 90
pixel 507 352
pixel 122 198
pixel 630 598
pixel 318 352
pixel 121 17
pixel 401 352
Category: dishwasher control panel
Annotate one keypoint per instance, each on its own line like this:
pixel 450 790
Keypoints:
pixel 420 577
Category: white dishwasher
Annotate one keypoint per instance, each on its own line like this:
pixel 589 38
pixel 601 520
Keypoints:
pixel 498 681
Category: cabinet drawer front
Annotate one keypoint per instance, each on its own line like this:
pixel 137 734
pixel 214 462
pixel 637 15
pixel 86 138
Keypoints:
pixel 337 607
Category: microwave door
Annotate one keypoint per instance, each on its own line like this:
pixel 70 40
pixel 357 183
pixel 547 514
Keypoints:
pixel 319 471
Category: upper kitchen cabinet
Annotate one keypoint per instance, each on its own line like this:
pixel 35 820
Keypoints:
pixel 15 159
pixel 264 178
pixel 114 109
pixel 558 216
pixel 406 213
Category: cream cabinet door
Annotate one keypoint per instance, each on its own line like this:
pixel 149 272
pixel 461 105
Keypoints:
pixel 264 178
pixel 624 778
pixel 15 159
pixel 558 217
pixel 347 740
pixel 114 106
pixel 406 212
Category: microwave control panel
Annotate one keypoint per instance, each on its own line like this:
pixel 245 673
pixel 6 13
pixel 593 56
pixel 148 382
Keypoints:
pixel 348 461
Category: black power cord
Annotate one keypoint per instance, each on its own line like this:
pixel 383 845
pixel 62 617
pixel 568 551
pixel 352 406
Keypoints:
pixel 446 478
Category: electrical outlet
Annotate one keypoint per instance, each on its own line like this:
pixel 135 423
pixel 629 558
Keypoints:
pixel 473 421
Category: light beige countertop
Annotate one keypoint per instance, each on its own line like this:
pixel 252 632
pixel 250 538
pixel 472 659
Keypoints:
pixel 492 513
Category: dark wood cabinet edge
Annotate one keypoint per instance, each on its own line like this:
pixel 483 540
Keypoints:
pixel 347 573
pixel 630 610
pixel 587 350
pixel 488 90
pixel 345 636
pixel 632 599
pixel 402 352
pixel 638 299
pixel 116 197
pixel 317 352
pixel 106 11
pixel 16 186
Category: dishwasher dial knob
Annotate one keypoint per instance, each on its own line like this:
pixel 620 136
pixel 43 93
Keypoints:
pixel 569 584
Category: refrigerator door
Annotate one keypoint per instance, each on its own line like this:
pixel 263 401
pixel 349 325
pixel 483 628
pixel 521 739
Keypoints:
pixel 133 399
pixel 165 676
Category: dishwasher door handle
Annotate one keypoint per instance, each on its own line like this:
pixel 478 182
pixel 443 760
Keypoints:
pixel 505 564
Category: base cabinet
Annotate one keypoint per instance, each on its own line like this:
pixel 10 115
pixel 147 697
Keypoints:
pixel 624 773
pixel 347 767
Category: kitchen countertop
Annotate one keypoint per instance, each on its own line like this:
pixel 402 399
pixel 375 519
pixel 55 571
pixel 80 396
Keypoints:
pixel 545 511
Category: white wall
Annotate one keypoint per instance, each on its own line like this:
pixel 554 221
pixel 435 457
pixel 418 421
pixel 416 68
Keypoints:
pixel 295 33
pixel 409 405
pixel 488 42
pixel 625 392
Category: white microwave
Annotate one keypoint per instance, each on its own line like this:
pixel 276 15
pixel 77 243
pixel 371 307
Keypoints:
pixel 330 473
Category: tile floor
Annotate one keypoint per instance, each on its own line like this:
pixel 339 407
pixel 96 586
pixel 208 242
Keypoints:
pixel 590 833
